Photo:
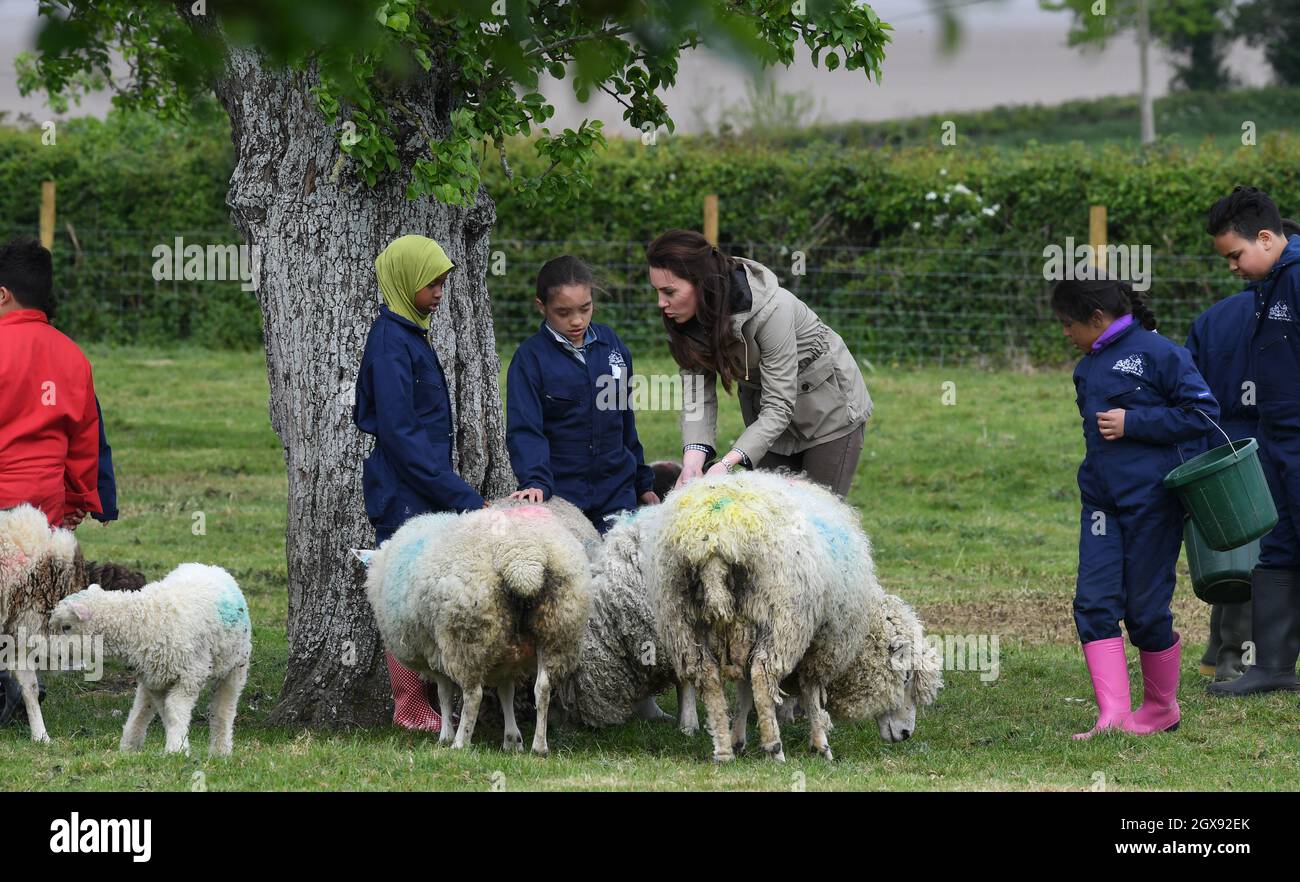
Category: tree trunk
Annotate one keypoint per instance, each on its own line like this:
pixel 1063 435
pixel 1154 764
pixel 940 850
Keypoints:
pixel 314 231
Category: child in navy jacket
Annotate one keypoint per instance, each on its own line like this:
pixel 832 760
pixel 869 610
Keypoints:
pixel 1140 397
pixel 402 400
pixel 570 428
pixel 1248 232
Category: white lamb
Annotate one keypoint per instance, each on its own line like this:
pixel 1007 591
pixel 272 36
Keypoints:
pixel 489 597
pixel 178 634
pixel 39 566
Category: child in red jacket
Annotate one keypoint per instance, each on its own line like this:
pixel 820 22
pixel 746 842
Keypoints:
pixel 49 423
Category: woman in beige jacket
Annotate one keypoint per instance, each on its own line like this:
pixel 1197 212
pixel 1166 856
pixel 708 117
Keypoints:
pixel 802 396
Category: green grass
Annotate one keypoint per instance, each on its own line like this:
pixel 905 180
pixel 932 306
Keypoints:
pixel 972 509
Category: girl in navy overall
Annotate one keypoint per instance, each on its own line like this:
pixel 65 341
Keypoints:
pixel 570 428
pixel 402 400
pixel 1140 397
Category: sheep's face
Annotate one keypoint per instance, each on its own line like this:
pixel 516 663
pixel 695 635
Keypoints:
pixel 73 614
pixel 895 673
pixel 915 671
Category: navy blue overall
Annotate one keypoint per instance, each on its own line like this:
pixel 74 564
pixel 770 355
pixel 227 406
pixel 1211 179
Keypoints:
pixel 1275 353
pixel 1218 344
pixel 570 427
pixel 1131 527
pixel 402 400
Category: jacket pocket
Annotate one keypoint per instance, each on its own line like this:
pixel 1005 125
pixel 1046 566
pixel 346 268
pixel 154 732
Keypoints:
pixel 1131 393
pixel 429 391
pixel 819 403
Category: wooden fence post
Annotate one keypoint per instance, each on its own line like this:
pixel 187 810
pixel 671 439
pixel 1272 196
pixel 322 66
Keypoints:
pixel 1097 235
pixel 711 218
pixel 47 214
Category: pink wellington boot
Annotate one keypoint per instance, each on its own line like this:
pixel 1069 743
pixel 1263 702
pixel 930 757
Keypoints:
pixel 1109 670
pixel 411 708
pixel 1159 711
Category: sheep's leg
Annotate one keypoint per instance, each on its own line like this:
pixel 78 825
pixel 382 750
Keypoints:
pixel 686 709
pixel 32 702
pixel 221 712
pixel 446 700
pixel 542 697
pixel 817 719
pixel 468 716
pixel 143 710
pixel 514 739
pixel 744 699
pixel 177 708
pixel 769 733
pixel 715 709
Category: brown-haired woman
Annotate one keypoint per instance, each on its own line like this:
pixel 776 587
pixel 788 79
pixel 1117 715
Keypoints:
pixel 802 396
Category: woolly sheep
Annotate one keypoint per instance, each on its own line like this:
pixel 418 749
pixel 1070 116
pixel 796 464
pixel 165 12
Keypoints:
pixel 39 566
pixel 487 597
pixel 178 634
pixel 621 669
pixel 768 579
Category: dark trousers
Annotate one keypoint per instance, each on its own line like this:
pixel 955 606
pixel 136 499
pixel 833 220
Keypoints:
pixel 832 464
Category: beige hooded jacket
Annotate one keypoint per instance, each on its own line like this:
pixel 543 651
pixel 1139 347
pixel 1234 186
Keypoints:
pixel 801 386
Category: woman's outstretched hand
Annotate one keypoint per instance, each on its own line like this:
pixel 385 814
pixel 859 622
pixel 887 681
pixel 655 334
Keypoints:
pixel 532 494
pixel 692 467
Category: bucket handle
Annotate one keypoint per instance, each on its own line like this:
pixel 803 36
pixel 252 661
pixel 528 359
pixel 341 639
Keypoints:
pixel 1221 432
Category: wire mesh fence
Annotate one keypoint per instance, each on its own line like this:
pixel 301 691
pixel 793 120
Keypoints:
pixel 892 305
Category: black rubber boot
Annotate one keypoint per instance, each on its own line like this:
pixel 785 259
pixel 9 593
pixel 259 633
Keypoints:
pixel 1212 646
pixel 1234 631
pixel 11 697
pixel 1275 628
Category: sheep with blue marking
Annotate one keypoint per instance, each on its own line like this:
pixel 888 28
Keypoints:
pixel 178 634
pixel 768 580
pixel 494 597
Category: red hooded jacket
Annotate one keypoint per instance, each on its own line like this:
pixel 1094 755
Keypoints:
pixel 49 425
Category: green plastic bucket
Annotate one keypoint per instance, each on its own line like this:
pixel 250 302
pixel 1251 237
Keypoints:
pixel 1225 492
pixel 1219 576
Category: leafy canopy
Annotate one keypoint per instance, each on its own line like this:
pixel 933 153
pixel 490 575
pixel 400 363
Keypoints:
pixel 481 61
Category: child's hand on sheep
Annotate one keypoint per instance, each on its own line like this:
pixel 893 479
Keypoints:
pixel 650 498
pixel 532 494
pixel 1111 424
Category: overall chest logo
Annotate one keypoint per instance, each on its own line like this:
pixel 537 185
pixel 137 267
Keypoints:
pixel 1131 364
pixel 1280 312
pixel 616 364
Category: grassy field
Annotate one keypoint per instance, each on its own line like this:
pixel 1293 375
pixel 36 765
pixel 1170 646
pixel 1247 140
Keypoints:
pixel 972 508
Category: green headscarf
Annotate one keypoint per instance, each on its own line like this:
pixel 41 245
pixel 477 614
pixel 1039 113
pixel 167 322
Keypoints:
pixel 404 267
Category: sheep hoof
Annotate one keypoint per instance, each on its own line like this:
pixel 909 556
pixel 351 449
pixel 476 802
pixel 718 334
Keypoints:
pixel 690 730
pixel 542 752
pixel 738 746
pixel 513 741
pixel 723 757
pixel 823 751
pixel 775 751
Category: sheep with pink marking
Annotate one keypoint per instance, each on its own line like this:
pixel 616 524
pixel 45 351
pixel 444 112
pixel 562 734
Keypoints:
pixel 497 597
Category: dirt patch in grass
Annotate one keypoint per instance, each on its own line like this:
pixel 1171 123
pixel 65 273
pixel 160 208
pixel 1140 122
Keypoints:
pixel 1039 619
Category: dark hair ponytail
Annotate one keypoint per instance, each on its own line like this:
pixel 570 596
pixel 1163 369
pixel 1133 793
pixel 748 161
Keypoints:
pixel 560 271
pixel 688 255
pixel 1078 299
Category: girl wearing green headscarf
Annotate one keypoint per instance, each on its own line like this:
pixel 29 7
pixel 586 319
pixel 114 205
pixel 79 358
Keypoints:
pixel 402 400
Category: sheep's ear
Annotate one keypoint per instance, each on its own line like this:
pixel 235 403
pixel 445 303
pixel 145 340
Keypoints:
pixel 81 611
